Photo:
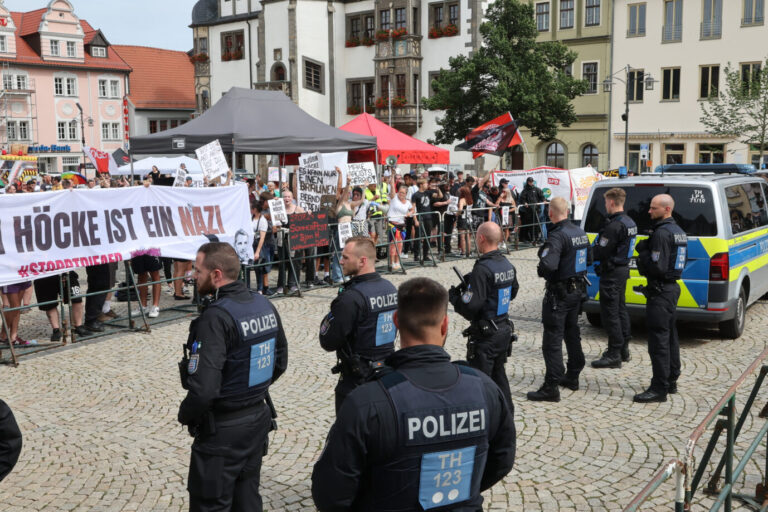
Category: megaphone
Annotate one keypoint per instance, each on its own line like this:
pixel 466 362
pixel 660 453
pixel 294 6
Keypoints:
pixel 391 160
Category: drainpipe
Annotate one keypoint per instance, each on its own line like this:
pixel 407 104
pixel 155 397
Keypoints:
pixel 250 56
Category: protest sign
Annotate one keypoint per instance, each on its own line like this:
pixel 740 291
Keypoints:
pixel 345 232
pixel 273 174
pixel 313 182
pixel 80 228
pixel 359 174
pixel 212 160
pixel 283 175
pixel 308 230
pixel 453 203
pixel 180 179
pixel 277 212
pixel 505 215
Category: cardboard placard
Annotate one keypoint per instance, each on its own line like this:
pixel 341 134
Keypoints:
pixel 277 212
pixel 453 203
pixel 505 215
pixel 314 181
pixel 308 230
pixel 359 174
pixel 283 175
pixel 345 233
pixel 273 174
pixel 212 160
pixel 180 179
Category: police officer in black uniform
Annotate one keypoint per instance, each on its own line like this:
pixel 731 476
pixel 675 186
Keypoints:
pixel 612 250
pixel 429 435
pixel 661 259
pixel 10 440
pixel 236 349
pixel 359 326
pixel 563 261
pixel 484 300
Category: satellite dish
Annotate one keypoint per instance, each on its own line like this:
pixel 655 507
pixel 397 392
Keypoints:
pixel 391 160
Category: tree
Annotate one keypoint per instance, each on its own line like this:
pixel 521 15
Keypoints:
pixel 740 109
pixel 509 72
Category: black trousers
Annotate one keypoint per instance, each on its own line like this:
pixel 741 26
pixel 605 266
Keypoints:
pixel 426 223
pixel 489 355
pixel 407 245
pixel 225 467
pixel 613 309
pixel 98 281
pixel 663 344
pixel 561 322
pixel 528 229
pixel 449 221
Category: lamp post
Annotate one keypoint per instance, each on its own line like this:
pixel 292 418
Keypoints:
pixel 82 132
pixel 629 87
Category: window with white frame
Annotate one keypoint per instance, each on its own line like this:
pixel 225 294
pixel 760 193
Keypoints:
pixel 58 86
pixel 592 15
pixel 7 81
pixel 110 131
pixel 103 88
pixel 589 75
pixel 542 16
pixel 12 133
pixel 18 130
pixel 72 130
pixel 55 47
pixel 98 51
pixel 71 49
pixel 114 88
pixel 66 130
pixel 21 82
pixel 71 86
pixel 3 44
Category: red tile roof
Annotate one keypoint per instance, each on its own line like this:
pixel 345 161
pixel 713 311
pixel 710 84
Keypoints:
pixel 162 79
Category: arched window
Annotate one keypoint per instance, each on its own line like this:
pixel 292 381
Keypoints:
pixel 556 155
pixel 278 73
pixel 589 156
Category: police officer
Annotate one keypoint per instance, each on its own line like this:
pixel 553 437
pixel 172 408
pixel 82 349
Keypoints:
pixel 10 440
pixel 661 259
pixel 612 250
pixel 484 301
pixel 563 261
pixel 235 350
pixel 359 326
pixel 430 434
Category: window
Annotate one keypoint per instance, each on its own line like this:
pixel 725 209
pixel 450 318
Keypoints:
pixel 670 84
pixel 61 130
pixel 568 69
pixel 566 13
pixel 634 163
pixel 356 97
pixel 673 21
pixel 746 207
pixel 202 45
pixel 400 17
pixel 102 87
pixel 3 45
pixel 7 82
pixel 432 76
pixel 23 130
pixel 21 82
pixel 385 19
pixel 232 45
pixel 54 47
pixel 542 16
pixel 711 153
pixel 71 49
pixel 750 77
pixel 70 86
pixel 11 130
pixel 114 88
pixel 753 12
pixel 400 86
pixel 712 19
pixel 152 126
pixel 354 28
pixel 592 18
pixel 361 97
pixel 313 76
pixel 556 155
pixel 384 86
pixel 58 87
pixel 589 75
pixel 72 130
pixel 636 25
pixel 709 81
pixel 361 26
pixel 370 26
pixel 416 22
pixel 66 130
pixel 754 156
pixel 437 16
pixel 443 14
pixel 674 153
pixel 636 85
pixel 453 14
pixel 110 131
pixel 98 51
pixel 589 156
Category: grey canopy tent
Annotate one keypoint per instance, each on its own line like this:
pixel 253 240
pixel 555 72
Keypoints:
pixel 254 122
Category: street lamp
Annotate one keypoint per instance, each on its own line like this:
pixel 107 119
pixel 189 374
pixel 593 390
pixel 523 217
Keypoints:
pixel 82 132
pixel 628 86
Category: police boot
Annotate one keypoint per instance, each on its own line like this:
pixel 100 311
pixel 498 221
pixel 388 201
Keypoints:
pixel 570 381
pixel 608 360
pixel 546 393
pixel 625 355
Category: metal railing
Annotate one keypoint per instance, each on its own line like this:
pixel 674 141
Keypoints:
pixel 672 33
pixel 711 29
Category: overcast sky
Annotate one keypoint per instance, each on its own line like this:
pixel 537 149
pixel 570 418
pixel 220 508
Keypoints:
pixel 158 23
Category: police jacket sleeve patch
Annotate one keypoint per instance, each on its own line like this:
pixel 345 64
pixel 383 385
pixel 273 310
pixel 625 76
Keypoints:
pixel 194 358
pixel 326 324
pixel 467 296
pixel 655 255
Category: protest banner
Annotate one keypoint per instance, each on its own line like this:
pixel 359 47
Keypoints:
pixel 360 174
pixel 273 174
pixel 582 180
pixel 212 160
pixel 345 233
pixel 505 215
pixel 308 230
pixel 313 182
pixel 49 233
pixel 277 212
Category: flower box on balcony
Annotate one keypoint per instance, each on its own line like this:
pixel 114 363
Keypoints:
pixel 435 32
pixel 226 56
pixel 352 42
pixel 399 32
pixel 354 110
pixel 399 101
pixel 367 41
pixel 382 35
pixel 198 57
pixel 450 30
pixel 382 102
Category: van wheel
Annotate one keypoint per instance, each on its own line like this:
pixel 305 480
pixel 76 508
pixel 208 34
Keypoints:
pixel 732 329
pixel 594 319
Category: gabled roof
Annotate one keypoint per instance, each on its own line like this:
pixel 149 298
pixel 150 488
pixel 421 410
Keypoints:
pixel 29 22
pixel 161 79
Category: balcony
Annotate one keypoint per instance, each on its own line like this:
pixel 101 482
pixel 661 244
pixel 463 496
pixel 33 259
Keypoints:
pixel 275 85
pixel 711 29
pixel 403 118
pixel 408 45
pixel 752 21
pixel 202 68
pixel 672 34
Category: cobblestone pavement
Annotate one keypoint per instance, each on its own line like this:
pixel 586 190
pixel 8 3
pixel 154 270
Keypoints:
pixel 99 418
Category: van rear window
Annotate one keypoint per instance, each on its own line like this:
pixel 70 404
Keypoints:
pixel 694 208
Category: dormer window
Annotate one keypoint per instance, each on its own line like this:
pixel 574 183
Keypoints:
pixel 3 45
pixel 98 51
pixel 55 47
pixel 71 49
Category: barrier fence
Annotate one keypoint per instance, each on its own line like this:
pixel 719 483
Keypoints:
pixel 434 235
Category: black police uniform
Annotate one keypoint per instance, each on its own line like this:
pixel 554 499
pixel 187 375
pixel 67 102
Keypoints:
pixel 613 248
pixel 662 259
pixel 431 435
pixel 10 440
pixel 360 329
pixel 563 261
pixel 491 287
pixel 235 350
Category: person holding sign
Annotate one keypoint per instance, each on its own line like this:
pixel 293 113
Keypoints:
pixel 235 350
pixel 386 451
pixel 399 209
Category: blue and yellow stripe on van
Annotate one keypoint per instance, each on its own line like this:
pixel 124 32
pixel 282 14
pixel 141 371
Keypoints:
pixel 749 251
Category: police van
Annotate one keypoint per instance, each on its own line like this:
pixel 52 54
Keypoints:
pixel 722 208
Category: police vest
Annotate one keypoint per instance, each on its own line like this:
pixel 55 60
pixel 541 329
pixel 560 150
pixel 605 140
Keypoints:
pixel 250 360
pixel 442 446
pixel 626 248
pixel 503 277
pixel 573 258
pixel 374 337
pixel 678 254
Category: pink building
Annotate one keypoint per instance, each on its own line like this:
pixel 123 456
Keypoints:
pixel 51 61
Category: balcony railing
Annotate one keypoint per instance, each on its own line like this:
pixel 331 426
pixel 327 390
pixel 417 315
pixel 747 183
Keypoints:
pixel 752 20
pixel 711 29
pixel 636 33
pixel 672 34
pixel 276 85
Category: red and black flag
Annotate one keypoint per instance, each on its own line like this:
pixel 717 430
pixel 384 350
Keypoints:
pixel 493 137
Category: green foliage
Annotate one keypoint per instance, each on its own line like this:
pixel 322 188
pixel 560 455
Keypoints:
pixel 510 72
pixel 740 110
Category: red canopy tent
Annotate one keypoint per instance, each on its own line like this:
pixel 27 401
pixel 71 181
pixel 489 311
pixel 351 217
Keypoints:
pixel 392 142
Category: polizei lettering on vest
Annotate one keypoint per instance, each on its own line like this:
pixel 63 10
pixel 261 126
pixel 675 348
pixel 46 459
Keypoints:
pixel 447 425
pixel 681 238
pixel 383 301
pixel 501 277
pixel 579 240
pixel 256 325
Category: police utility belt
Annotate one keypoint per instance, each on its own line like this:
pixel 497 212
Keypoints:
pixel 357 367
pixel 654 287
pixel 567 286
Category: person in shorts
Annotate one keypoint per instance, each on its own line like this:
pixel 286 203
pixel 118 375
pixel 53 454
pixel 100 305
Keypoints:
pixel 147 267
pixel 48 289
pixel 14 294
